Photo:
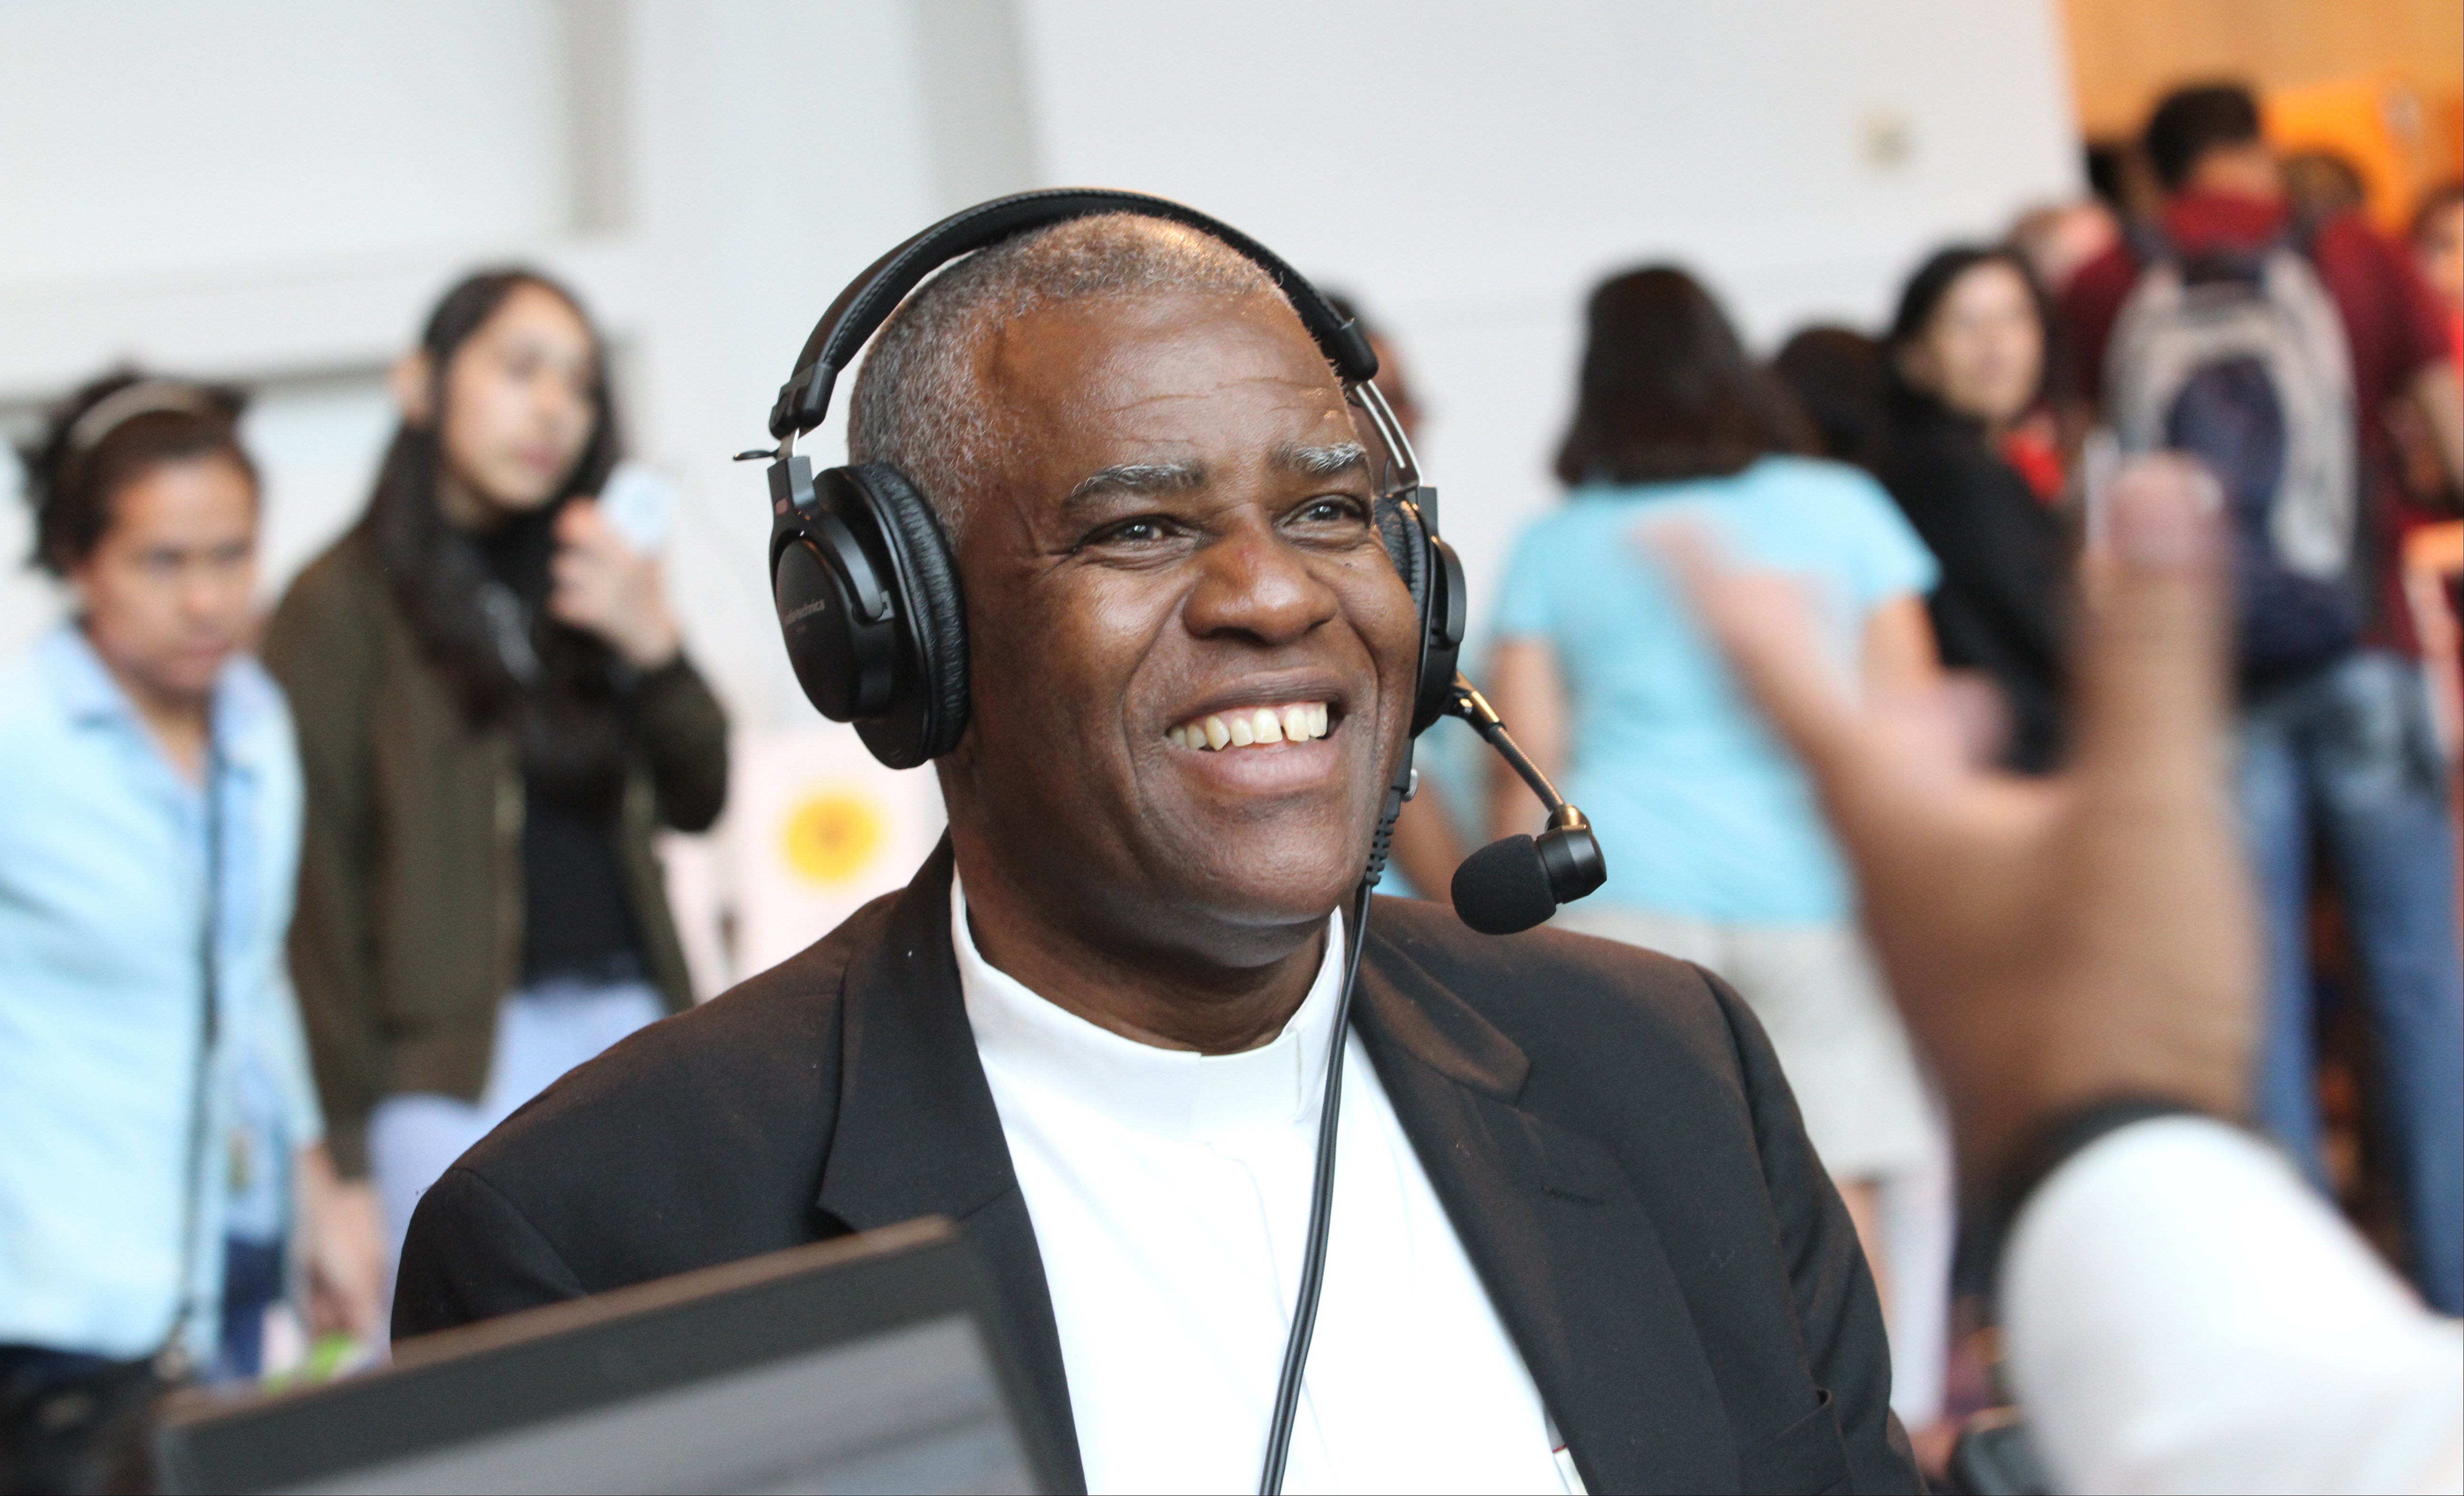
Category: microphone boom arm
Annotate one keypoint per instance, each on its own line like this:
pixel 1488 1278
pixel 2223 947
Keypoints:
pixel 1474 708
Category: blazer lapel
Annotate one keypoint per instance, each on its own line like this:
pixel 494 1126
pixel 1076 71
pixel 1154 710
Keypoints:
pixel 1568 1252
pixel 917 1133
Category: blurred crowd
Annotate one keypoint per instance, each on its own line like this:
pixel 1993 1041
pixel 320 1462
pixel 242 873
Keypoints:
pixel 292 912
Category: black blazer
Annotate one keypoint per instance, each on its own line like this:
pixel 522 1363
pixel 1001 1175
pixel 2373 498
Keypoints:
pixel 1607 1129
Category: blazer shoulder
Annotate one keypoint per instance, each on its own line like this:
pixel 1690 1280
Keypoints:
pixel 1564 998
pixel 1535 964
pixel 700 1138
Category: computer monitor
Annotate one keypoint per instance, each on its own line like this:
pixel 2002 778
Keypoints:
pixel 871 1363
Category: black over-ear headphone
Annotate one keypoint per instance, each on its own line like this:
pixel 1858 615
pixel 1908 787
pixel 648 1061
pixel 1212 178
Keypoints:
pixel 868 594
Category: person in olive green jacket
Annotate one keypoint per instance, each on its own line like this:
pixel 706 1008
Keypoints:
pixel 494 714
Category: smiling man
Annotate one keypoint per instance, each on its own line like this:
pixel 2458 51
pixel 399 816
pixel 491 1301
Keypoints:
pixel 1578 1236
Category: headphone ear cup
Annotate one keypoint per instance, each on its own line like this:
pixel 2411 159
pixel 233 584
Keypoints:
pixel 1430 571
pixel 1399 527
pixel 837 610
pixel 1441 633
pixel 930 711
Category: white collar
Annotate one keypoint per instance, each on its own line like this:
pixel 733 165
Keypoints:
pixel 1174 1094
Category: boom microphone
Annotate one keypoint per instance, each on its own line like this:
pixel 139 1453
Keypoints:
pixel 1513 884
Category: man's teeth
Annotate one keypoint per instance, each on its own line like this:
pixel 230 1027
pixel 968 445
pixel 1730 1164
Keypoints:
pixel 1299 722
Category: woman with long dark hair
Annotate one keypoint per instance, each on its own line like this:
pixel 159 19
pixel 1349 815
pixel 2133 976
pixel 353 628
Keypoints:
pixel 1965 362
pixel 494 714
pixel 1716 849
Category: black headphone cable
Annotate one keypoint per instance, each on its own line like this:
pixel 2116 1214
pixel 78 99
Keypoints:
pixel 1321 1217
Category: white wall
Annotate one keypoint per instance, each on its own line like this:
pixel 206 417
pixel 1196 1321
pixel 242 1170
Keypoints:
pixel 164 137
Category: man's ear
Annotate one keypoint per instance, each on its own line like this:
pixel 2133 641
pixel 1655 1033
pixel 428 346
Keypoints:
pixel 412 380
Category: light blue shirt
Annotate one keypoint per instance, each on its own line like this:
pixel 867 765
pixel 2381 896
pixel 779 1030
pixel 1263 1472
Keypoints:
pixel 1699 811
pixel 103 891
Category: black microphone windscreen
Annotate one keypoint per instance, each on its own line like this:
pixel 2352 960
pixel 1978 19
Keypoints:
pixel 1503 887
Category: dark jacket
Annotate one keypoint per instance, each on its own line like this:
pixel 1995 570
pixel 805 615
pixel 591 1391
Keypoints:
pixel 408 930
pixel 1607 1129
pixel 2005 568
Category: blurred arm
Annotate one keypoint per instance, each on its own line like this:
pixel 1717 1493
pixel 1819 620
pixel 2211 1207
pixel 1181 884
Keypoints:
pixel 341 1249
pixel 1531 697
pixel 684 736
pixel 317 648
pixel 1899 662
pixel 2181 1314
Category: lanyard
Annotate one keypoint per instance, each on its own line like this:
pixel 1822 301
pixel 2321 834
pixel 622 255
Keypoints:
pixel 171 1360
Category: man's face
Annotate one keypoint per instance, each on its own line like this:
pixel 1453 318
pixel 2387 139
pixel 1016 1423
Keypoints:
pixel 1180 540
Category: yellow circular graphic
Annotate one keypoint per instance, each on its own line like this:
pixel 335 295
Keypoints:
pixel 831 834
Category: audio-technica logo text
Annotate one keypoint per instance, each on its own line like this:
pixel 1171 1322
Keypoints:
pixel 816 605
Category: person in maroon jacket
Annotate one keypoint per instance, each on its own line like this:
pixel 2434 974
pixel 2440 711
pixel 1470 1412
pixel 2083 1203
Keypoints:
pixel 2341 750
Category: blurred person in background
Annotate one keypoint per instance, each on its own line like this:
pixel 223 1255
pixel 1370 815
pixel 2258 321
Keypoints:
pixel 1966 364
pixel 157 1125
pixel 1836 374
pixel 1616 693
pixel 494 714
pixel 2056 242
pixel 2434 549
pixel 1428 847
pixel 2060 239
pixel 2335 730
pixel 2438 249
pixel 2321 185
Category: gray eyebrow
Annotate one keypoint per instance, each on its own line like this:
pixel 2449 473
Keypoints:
pixel 1322 462
pixel 1168 478
pixel 1140 478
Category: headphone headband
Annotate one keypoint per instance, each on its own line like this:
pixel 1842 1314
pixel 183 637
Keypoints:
pixel 867 302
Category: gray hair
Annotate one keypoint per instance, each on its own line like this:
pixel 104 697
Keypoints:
pixel 921 403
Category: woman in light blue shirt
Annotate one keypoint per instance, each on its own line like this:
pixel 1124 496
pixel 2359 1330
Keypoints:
pixel 1716 849
pixel 149 825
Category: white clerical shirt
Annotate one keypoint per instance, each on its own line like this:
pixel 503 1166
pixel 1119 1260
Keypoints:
pixel 1169 1196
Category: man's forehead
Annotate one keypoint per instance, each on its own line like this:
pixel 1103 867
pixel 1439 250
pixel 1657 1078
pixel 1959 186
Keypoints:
pixel 1162 393
pixel 1102 357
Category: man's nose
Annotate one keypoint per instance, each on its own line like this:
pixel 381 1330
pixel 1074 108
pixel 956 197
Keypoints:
pixel 1253 583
